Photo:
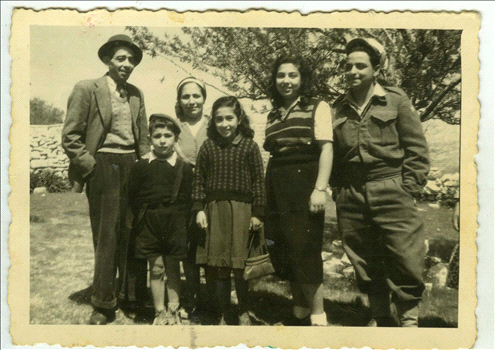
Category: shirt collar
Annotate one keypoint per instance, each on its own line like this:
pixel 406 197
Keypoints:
pixel 281 112
pixel 378 91
pixel 284 112
pixel 112 84
pixel 237 139
pixel 171 160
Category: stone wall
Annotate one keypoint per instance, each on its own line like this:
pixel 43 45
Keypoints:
pixel 46 150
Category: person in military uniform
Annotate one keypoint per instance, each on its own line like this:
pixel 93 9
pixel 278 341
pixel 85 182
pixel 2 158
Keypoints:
pixel 380 166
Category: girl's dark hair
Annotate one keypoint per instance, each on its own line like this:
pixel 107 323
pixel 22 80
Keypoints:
pixel 305 91
pixel 178 109
pixel 374 57
pixel 243 127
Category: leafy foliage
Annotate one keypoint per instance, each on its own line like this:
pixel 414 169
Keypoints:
pixel 42 113
pixel 425 63
pixel 49 179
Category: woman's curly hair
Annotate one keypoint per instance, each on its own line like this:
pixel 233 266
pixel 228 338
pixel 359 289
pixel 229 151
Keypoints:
pixel 243 127
pixel 306 90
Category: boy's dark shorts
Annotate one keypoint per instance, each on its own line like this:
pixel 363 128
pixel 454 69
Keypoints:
pixel 162 231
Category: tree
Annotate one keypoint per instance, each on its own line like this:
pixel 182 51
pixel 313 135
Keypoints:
pixel 42 113
pixel 425 63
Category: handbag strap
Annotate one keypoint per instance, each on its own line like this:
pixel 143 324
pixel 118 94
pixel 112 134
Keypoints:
pixel 262 244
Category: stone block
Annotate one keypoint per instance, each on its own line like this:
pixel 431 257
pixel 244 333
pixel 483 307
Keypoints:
pixel 435 173
pixel 326 256
pixel 40 190
pixel 432 187
pixel 38 163
pixel 333 265
pixel 349 272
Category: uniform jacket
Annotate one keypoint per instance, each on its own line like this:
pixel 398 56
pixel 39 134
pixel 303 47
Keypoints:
pixel 89 114
pixel 386 138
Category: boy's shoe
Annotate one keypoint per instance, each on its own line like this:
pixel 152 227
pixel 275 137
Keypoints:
pixel 102 316
pixel 245 319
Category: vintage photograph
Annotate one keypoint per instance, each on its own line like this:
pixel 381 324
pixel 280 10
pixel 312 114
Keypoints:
pixel 193 174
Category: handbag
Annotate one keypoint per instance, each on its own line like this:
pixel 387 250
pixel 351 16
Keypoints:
pixel 258 263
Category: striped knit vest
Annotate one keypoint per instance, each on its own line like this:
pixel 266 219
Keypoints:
pixel 293 135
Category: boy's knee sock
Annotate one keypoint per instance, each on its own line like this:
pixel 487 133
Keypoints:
pixel 242 291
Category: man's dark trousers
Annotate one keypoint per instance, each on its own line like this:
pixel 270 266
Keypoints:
pixel 106 190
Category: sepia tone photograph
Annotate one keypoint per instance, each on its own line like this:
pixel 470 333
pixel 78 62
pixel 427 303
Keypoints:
pixel 295 178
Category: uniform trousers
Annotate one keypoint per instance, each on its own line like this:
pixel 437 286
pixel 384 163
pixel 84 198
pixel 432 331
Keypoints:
pixel 106 190
pixel 382 235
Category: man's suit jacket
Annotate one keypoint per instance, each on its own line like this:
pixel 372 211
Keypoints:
pixel 89 115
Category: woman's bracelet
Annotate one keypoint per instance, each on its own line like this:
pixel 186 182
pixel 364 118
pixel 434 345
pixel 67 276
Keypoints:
pixel 321 189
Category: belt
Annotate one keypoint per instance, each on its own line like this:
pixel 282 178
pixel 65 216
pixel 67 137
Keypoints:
pixel 361 175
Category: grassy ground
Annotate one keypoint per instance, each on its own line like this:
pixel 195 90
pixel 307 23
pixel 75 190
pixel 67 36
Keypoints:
pixel 62 267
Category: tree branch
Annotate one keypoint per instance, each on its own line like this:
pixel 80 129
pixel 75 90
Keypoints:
pixel 426 114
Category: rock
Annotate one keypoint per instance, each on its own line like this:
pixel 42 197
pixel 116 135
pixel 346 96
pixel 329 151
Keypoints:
pixel 35 155
pixel 345 260
pixel 326 256
pixel 432 261
pixel 336 248
pixel 451 183
pixel 437 275
pixel 334 275
pixel 333 265
pixel 434 205
pixel 37 163
pixel 450 177
pixel 435 173
pixel 40 190
pixel 432 188
pixel 349 272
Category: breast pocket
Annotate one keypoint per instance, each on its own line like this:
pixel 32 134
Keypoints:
pixel 382 127
pixel 345 133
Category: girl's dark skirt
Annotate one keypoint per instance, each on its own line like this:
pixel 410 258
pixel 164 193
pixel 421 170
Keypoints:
pixel 225 241
pixel 162 231
pixel 296 232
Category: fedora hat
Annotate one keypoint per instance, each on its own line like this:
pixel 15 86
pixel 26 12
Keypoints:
pixel 117 40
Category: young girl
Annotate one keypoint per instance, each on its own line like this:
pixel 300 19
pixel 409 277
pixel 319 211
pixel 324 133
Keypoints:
pixel 229 197
pixel 299 139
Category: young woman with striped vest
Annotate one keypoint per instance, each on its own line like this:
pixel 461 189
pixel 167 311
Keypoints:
pixel 299 139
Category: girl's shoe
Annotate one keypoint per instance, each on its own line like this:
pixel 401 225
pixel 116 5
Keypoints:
pixel 163 318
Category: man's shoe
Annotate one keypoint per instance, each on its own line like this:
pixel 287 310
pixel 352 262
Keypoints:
pixel 294 321
pixel 385 321
pixel 101 317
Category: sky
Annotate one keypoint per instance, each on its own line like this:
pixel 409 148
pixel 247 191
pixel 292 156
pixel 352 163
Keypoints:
pixel 62 56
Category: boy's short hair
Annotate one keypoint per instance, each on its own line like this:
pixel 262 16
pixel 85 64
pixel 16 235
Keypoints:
pixel 164 121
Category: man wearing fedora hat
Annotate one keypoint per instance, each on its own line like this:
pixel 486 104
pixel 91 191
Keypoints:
pixel 104 133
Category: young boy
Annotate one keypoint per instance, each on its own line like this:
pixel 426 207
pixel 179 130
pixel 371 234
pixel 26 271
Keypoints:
pixel 159 194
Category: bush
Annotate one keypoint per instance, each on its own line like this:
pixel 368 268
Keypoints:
pixel 47 178
pixel 43 113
